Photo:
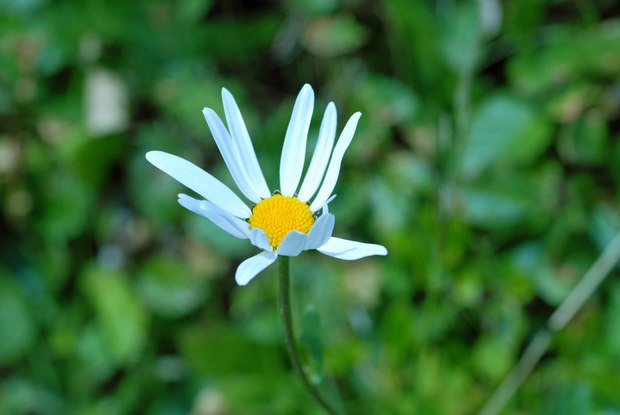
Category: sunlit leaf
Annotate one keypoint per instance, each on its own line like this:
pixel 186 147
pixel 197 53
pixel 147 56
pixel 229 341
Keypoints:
pixel 334 36
pixel 120 315
pixel 461 37
pixel 170 288
pixel 16 323
pixel 504 132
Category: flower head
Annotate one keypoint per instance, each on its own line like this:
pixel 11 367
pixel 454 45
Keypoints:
pixel 294 218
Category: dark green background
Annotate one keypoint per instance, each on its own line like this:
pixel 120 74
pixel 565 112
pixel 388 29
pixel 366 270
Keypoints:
pixel 486 161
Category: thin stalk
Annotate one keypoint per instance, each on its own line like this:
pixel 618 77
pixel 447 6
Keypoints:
pixel 563 314
pixel 289 335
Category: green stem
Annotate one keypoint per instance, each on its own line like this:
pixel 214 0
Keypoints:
pixel 563 314
pixel 289 335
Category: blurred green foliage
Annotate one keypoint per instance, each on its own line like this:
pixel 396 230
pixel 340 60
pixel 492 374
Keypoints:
pixel 487 161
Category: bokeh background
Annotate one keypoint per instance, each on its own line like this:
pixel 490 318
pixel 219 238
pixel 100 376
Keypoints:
pixel 487 161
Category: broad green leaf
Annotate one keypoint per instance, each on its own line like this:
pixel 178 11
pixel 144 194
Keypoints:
pixel 492 358
pixel 569 398
pixel 91 158
pixel 22 395
pixel 505 200
pixel 461 37
pixel 17 328
pixel 222 351
pixel 570 55
pixel 122 320
pixel 504 132
pixel 603 224
pixel 232 39
pixel 67 208
pixel 494 207
pixel 584 141
pixel 611 334
pixel 170 288
pixel 386 99
pixel 329 37
pixel 529 260
pixel 312 7
pixel 192 11
pixel 96 357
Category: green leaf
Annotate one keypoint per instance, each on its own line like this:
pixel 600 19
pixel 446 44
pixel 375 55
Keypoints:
pixel 312 7
pixel 17 328
pixel 68 207
pixel 311 336
pixel 97 362
pixel 603 224
pixel 571 54
pixel 611 334
pixel 585 140
pixel 192 11
pixel 120 315
pixel 504 200
pixel 504 131
pixel 333 36
pixel 91 158
pixel 157 200
pixel 170 288
pixel 529 260
pixel 385 102
pixel 492 357
pixel 21 395
pixel 230 38
pixel 221 350
pixel 461 37
pixel 569 399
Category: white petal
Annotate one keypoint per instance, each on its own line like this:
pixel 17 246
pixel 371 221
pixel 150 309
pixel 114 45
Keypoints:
pixel 320 158
pixel 240 224
pixel 259 238
pixel 321 231
pixel 294 147
pixel 200 182
pixel 252 266
pixel 331 177
pixel 241 138
pixel 230 155
pixel 350 250
pixel 327 202
pixel 292 244
pixel 225 221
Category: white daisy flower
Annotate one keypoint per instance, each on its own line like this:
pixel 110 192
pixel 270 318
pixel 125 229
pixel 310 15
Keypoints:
pixel 286 222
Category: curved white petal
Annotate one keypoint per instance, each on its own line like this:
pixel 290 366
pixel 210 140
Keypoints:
pixel 241 139
pixel 259 238
pixel 240 224
pixel 225 221
pixel 294 147
pixel 249 268
pixel 200 182
pixel 327 202
pixel 333 170
pixel 292 244
pixel 320 158
pixel 229 154
pixel 321 231
pixel 350 250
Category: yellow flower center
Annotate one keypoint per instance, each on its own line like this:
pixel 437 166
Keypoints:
pixel 278 215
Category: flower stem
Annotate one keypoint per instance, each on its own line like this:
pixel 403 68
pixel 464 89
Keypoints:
pixel 289 335
pixel 562 315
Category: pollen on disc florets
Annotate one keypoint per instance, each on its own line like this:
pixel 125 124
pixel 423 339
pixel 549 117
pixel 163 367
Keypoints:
pixel 278 215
